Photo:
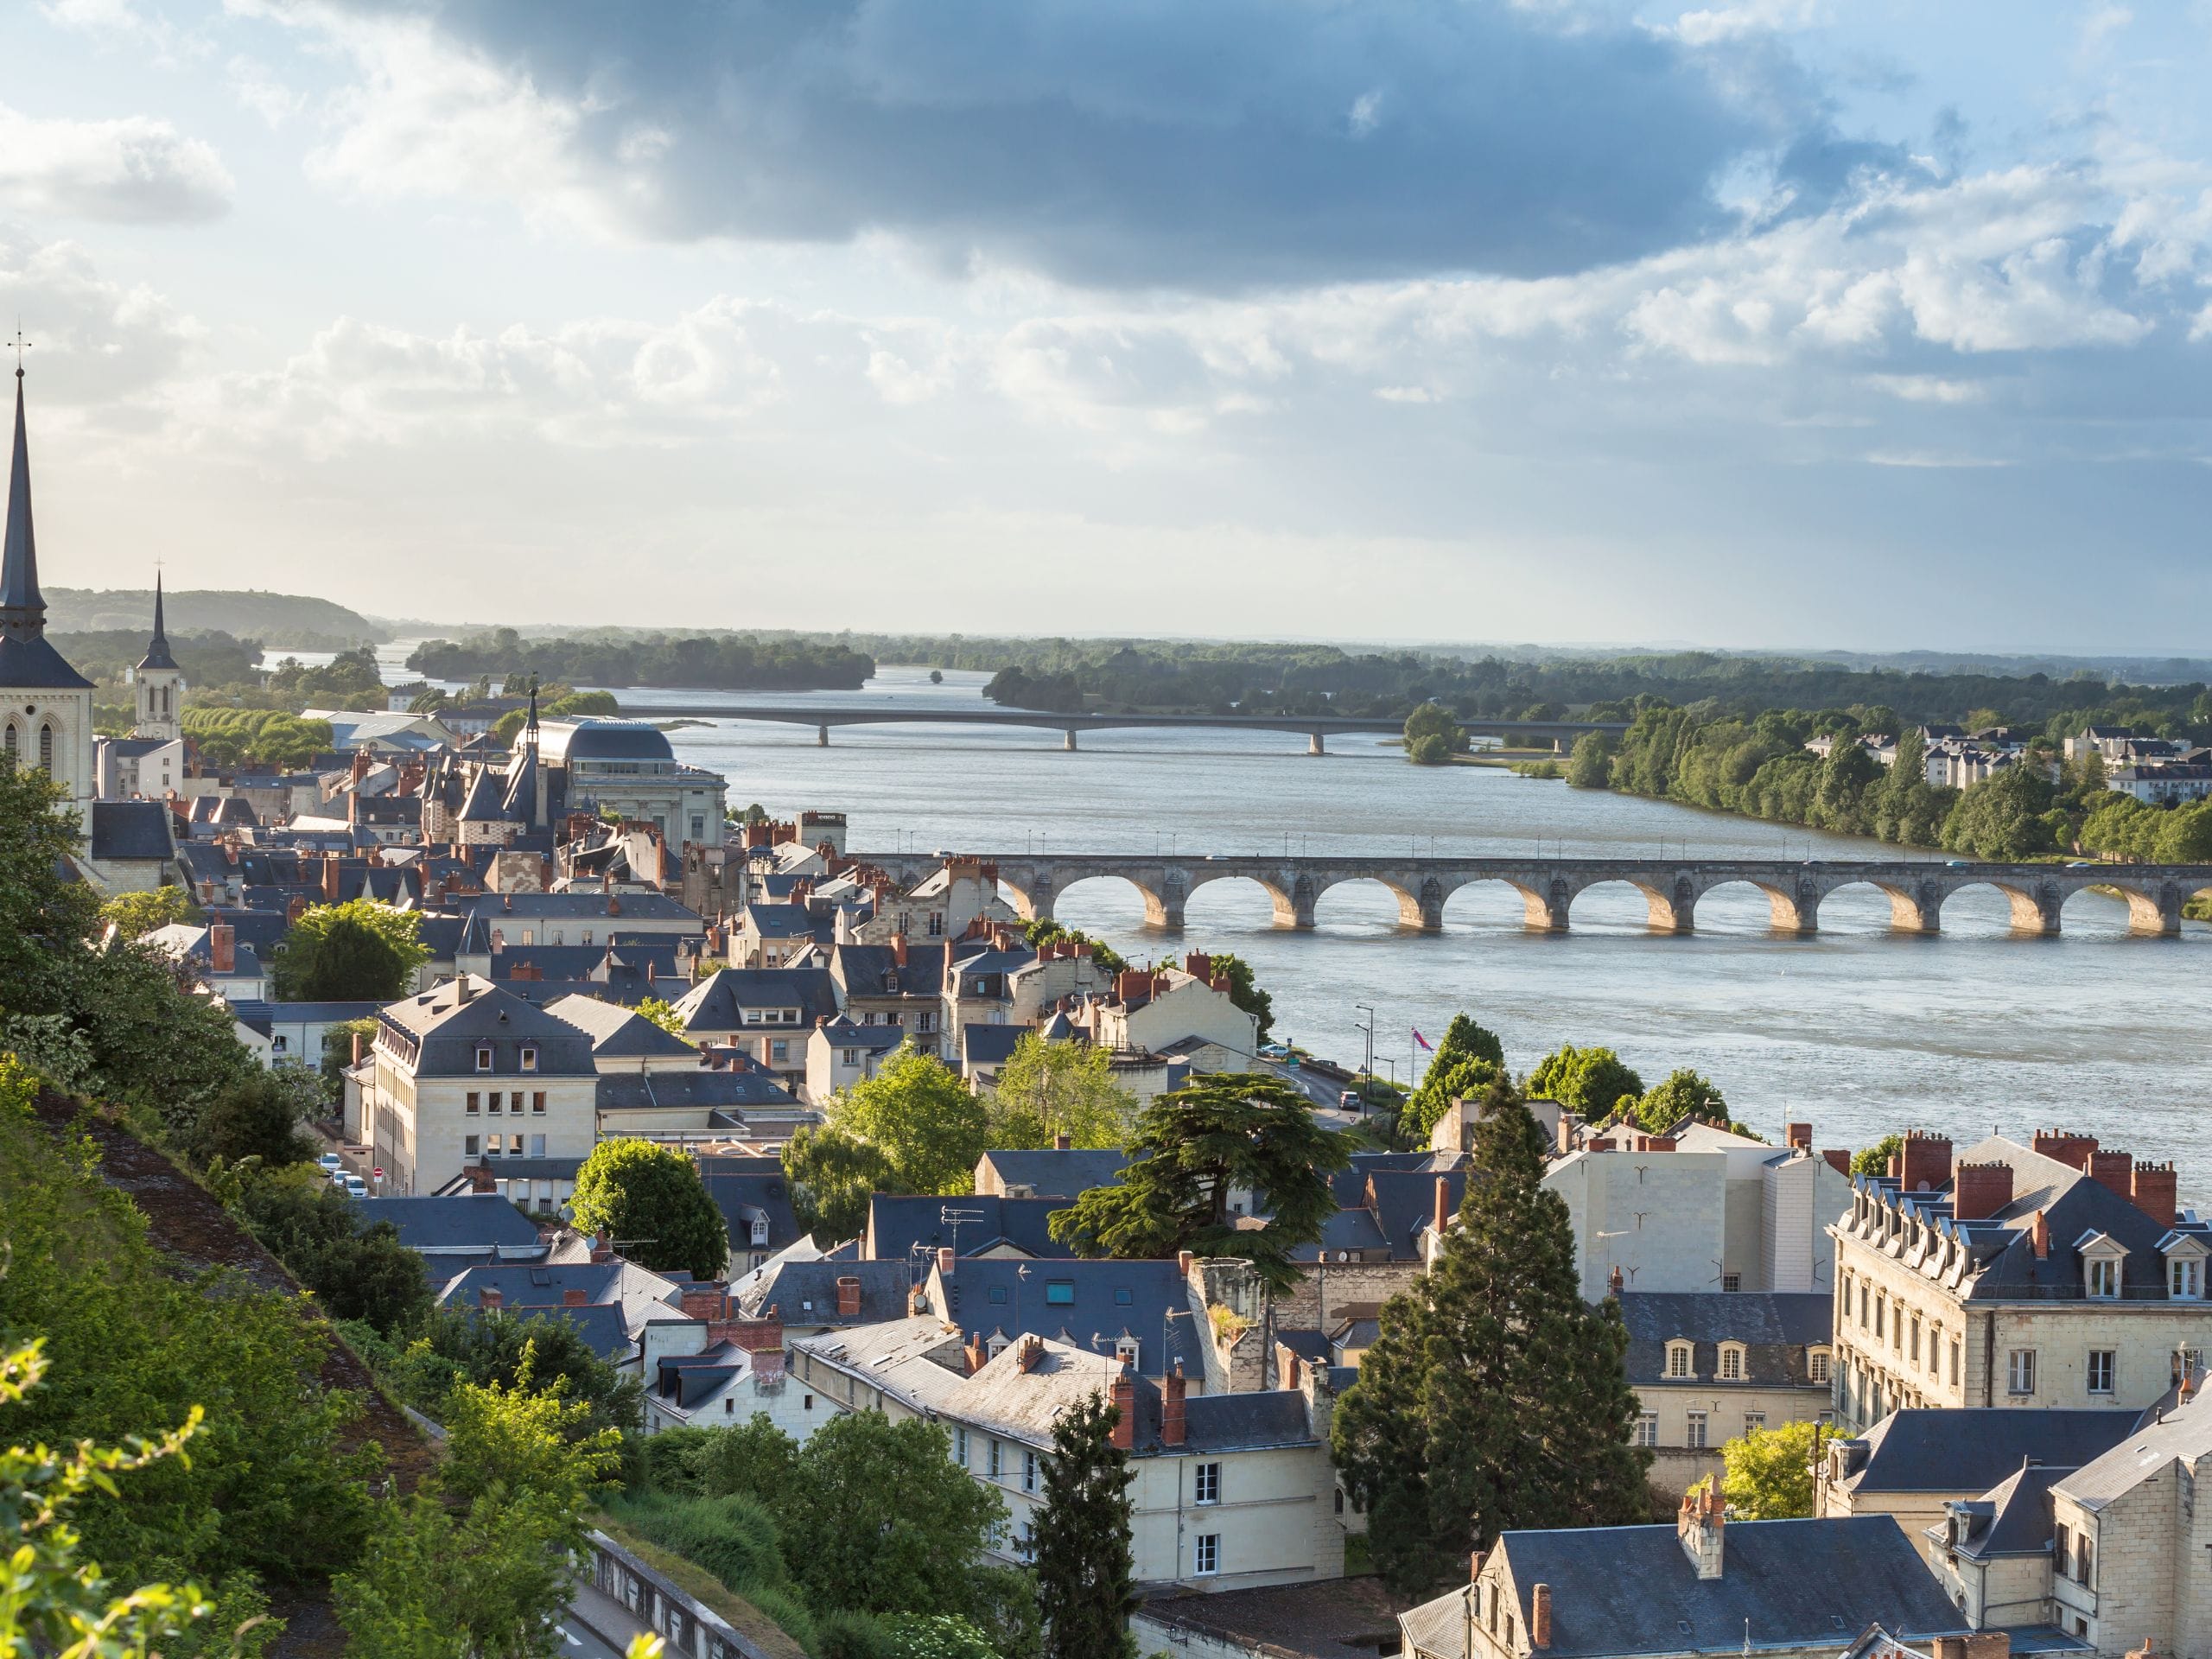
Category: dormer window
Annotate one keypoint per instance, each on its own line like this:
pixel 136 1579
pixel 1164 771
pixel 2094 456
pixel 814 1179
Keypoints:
pixel 2104 1276
pixel 1731 1361
pixel 2186 1280
pixel 1678 1359
pixel 1125 1350
pixel 1816 1365
pixel 530 1057
pixel 483 1057
pixel 760 1231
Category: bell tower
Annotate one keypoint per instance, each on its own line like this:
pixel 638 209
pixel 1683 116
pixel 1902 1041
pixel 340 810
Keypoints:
pixel 160 683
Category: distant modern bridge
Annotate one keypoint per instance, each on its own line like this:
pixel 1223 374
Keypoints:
pixel 1314 728
pixel 1917 889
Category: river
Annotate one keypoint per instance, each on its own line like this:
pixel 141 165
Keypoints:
pixel 1859 1030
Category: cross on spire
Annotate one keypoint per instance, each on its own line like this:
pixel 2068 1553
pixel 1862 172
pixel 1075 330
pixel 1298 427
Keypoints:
pixel 21 345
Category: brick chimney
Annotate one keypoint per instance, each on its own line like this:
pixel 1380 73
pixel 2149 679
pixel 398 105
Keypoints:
pixel 2115 1171
pixel 293 911
pixel 222 947
pixel 1838 1159
pixel 1698 1526
pixel 849 1297
pixel 1799 1135
pixel 573 1298
pixel 1979 1190
pixel 945 1261
pixel 2069 1148
pixel 1198 965
pixel 899 949
pixel 1924 1162
pixel 1028 1351
pixel 602 1246
pixel 489 1298
pixel 2155 1193
pixel 357 1048
pixel 1184 1262
pixel 702 1301
pixel 2039 1230
pixel 1173 1425
pixel 971 1352
pixel 1062 1143
pixel 1539 1616
pixel 480 1178
pixel 1441 1218
pixel 753 1336
pixel 1125 1408
pixel 1614 1282
pixel 330 883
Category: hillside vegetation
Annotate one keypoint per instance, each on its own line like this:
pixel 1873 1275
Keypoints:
pixel 297 619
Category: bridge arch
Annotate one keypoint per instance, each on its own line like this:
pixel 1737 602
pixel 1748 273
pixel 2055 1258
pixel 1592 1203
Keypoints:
pixel 1914 907
pixel 1669 900
pixel 1792 906
pixel 2033 902
pixel 1158 910
pixel 1544 901
pixel 1420 898
pixel 1292 903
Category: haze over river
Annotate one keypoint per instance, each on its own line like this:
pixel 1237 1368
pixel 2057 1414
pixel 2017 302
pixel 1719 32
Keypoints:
pixel 1860 1030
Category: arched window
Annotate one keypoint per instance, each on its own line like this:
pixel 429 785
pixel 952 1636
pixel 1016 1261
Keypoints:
pixel 8 740
pixel 46 747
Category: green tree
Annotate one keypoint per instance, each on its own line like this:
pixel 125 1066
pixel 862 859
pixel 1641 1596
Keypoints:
pixel 1685 1094
pixel 1081 1540
pixel 1590 765
pixel 1048 1088
pixel 1467 1060
pixel 662 1013
pixel 1770 1472
pixel 831 1175
pixel 44 919
pixel 1433 720
pixel 1046 931
pixel 488 1582
pixel 2000 818
pixel 1428 750
pixel 651 1199
pixel 1226 1132
pixel 1875 1159
pixel 356 1270
pixel 928 1124
pixel 1244 990
pixel 259 1117
pixel 359 951
pixel 134 915
pixel 454 1347
pixel 2186 835
pixel 1591 1081
pixel 1494 1396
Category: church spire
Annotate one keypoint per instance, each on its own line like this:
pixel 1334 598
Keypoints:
pixel 157 649
pixel 22 610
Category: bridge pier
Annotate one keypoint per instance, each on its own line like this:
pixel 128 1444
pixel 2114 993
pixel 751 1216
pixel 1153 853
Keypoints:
pixel 1794 911
pixel 1068 742
pixel 822 736
pixel 1917 909
pixel 2158 913
pixel 1545 908
pixel 1313 744
pixel 1673 909
pixel 2035 910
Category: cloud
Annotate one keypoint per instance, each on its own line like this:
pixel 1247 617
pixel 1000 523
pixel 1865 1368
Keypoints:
pixel 136 170
pixel 1111 143
pixel 94 341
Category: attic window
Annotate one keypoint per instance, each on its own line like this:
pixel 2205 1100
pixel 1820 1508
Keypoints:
pixel 530 1057
pixel 483 1057
pixel 1683 1625
pixel 2104 1276
pixel 1124 1297
pixel 1678 1359
pixel 1731 1361
pixel 1059 1293
pixel 997 1293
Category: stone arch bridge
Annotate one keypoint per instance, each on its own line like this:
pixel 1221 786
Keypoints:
pixel 1916 889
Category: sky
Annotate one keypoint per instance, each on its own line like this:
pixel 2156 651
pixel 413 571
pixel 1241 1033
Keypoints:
pixel 1865 324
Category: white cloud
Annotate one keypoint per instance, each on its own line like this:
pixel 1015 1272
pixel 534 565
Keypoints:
pixel 135 171
pixel 94 341
pixel 1928 388
pixel 256 86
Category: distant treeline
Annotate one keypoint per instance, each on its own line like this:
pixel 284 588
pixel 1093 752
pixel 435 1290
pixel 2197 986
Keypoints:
pixel 722 662
pixel 299 620
pixel 207 658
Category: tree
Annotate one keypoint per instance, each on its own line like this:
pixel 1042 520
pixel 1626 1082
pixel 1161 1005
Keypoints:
pixel 2186 835
pixel 359 951
pixel 1875 1159
pixel 928 1125
pixel 44 919
pixel 1080 1540
pixel 1494 1396
pixel 1048 1088
pixel 1466 1062
pixel 662 1013
pixel 134 915
pixel 1429 750
pixel 651 1197
pixel 1590 765
pixel 1433 720
pixel 259 1117
pixel 356 1270
pixel 1046 931
pixel 1770 1472
pixel 1685 1094
pixel 1244 990
pixel 1591 1081
pixel 2000 818
pixel 454 1347
pixel 488 1583
pixel 831 1175
pixel 1229 1131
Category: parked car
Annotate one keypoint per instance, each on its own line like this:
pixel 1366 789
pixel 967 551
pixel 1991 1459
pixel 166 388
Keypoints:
pixel 354 1185
pixel 1273 1051
pixel 1349 1100
pixel 332 1163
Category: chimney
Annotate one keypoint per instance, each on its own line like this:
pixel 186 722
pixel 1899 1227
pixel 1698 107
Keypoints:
pixel 1614 1283
pixel 763 1335
pixel 945 1261
pixel 357 1048
pixel 1979 1190
pixel 1131 983
pixel 1925 1162
pixel 2115 1171
pixel 1838 1159
pixel 1539 1616
pixel 1198 965
pixel 293 911
pixel 899 949
pixel 480 1178
pixel 2069 1148
pixel 330 884
pixel 488 1298
pixel 1474 1566
pixel 1125 1409
pixel 1660 1143
pixel 1441 1219
pixel 2040 1230
pixel 1799 1135
pixel 849 1297
pixel 2155 1193
pixel 1062 1143
pixel 1699 1528
pixel 1184 1262
pixel 1028 1353
pixel 602 1246
pixel 1173 1427
pixel 573 1298
pixel 222 947
pixel 971 1352
pixel 701 1301
pixel 1997 1644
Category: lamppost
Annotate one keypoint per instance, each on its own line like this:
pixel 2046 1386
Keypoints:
pixel 1367 1072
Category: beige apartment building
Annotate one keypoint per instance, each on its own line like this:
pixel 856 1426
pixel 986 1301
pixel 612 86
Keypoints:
pixel 2058 1274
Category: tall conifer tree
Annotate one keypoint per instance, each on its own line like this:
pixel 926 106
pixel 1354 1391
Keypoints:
pixel 1084 1558
pixel 1494 1397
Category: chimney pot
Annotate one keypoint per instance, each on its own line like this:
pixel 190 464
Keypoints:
pixel 2115 1171
pixel 1173 1418
pixel 1125 1410
pixel 1979 1190
pixel 945 1261
pixel 1799 1135
pixel 1539 1616
pixel 2156 1193
pixel 1062 1143
pixel 1442 1217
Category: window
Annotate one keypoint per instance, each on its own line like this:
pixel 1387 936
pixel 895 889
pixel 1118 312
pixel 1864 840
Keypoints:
pixel 1955 1361
pixel 2085 1562
pixel 1881 1311
pixel 1678 1359
pixel 2100 1370
pixel 587 935
pixel 1124 1297
pixel 491 1146
pixel 849 1057
pixel 277 1044
pixel 1695 1437
pixel 483 1057
pixel 1731 1361
pixel 475 1103
pixel 780 1050
pixel 530 1057
pixel 1059 1293
pixel 1646 1428
pixel 2187 1279
pixel 538 1145
pixel 960 1446
pixel 2104 1276
pixel 538 1102
pixel 1205 1484
pixel 469 1146
pixel 45 749
pixel 992 1468
pixel 1816 1364
pixel 1916 1339
pixel 1125 1350
pixel 1028 1472
pixel 1732 1282
pixel 1754 1423
pixel 1846 1295
pixel 808 1405
pixel 997 1293
pixel 1205 1559
pixel 2020 1371
pixel 497 1098
pixel 514 1146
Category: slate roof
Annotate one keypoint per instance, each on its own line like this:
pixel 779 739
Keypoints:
pixel 897 1223
pixel 1775 1327
pixel 33 665
pixel 744 1198
pixel 1971 1449
pixel 805 1293
pixel 718 1003
pixel 1050 1173
pixel 870 971
pixel 617 1033
pixel 986 1294
pixel 480 1221
pixel 776 921
pixel 125 830
pixel 2184 1433
pixel 566 906
pixel 2014 1517
pixel 989 1044
pixel 1633 1589
pixel 448 1031
pixel 632 1293
pixel 843 1033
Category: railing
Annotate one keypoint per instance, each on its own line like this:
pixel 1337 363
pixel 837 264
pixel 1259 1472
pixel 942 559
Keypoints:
pixel 690 1628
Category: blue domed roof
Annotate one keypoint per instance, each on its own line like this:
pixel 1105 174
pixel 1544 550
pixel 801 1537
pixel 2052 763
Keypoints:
pixel 564 742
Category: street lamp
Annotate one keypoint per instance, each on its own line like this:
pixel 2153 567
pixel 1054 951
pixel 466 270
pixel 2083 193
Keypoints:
pixel 1367 1073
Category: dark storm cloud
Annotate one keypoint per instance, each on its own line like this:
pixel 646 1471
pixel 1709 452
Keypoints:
pixel 1199 142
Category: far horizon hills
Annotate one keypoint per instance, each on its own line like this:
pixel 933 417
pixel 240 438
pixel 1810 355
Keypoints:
pixel 309 623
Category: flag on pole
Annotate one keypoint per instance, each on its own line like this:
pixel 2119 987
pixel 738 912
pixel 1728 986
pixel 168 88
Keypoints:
pixel 1422 1040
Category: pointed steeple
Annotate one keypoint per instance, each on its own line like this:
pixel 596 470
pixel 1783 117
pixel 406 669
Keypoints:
pixel 157 650
pixel 22 610
pixel 530 725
